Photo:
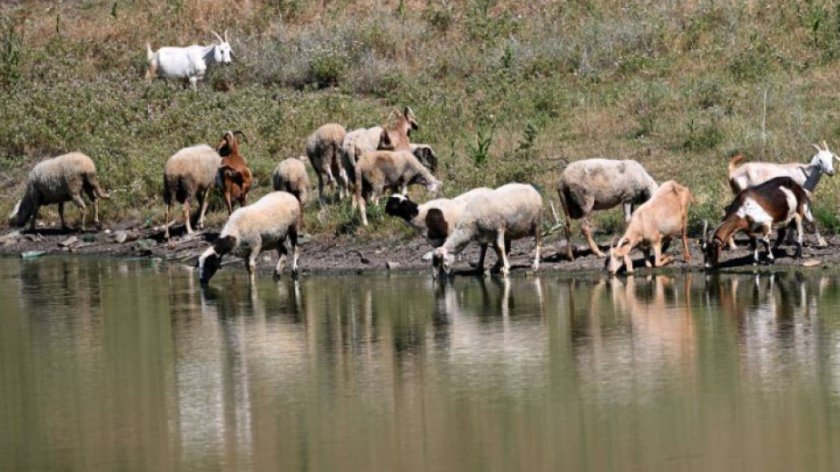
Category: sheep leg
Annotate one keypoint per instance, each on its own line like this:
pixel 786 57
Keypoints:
pixel 586 229
pixel 251 263
pixel 568 230
pixel 648 262
pixel 166 220
pixel 538 246
pixel 203 201
pixel 83 208
pixel 481 255
pixel 321 189
pixel 95 202
pixel 293 240
pixel 686 251
pixel 281 259
pixel 34 217
pixel 363 211
pixel 500 244
pixel 187 215
pixel 628 211
pixel 754 249
pixel 61 216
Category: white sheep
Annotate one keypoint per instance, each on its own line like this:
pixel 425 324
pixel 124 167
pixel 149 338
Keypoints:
pixel 190 173
pixel 600 184
pixel 58 180
pixel 394 170
pixel 323 148
pixel 434 219
pixel 510 212
pixel 261 226
pixel 807 176
pixel 290 176
pixel 189 62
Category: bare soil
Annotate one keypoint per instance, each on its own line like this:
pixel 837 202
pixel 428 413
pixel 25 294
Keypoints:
pixel 324 253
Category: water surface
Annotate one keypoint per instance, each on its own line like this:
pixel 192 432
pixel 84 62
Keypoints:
pixel 114 364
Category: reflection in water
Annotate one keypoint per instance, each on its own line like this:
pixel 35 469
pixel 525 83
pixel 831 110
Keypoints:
pixel 125 364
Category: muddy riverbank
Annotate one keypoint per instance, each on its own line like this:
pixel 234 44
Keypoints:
pixel 320 253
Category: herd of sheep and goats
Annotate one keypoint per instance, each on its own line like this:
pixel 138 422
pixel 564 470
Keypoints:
pixel 363 163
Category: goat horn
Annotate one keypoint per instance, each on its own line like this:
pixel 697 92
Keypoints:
pixel 244 138
pixel 825 145
pixel 217 36
pixel 226 36
pixel 816 147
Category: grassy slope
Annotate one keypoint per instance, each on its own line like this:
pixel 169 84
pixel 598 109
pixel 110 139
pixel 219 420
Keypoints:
pixel 500 89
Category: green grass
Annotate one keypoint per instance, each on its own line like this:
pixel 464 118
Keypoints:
pixel 502 90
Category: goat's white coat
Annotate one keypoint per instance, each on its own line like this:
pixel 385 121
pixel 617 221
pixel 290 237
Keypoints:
pixel 188 62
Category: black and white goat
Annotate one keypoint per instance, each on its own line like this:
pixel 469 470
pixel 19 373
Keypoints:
pixel 756 211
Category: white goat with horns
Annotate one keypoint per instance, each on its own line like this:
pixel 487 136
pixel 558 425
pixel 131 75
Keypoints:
pixel 189 62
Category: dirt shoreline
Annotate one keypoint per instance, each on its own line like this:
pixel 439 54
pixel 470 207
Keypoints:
pixel 329 254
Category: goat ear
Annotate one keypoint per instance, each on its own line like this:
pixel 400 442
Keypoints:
pixel 217 36
pixel 385 139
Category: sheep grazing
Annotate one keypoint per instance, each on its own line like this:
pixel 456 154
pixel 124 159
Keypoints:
pixel 261 226
pixel 435 218
pixel 290 176
pixel 653 225
pixel 756 211
pixel 510 212
pixel 393 137
pixel 58 180
pixel 234 176
pixel 600 184
pixel 807 176
pixel 323 147
pixel 189 63
pixel 190 173
pixel 395 170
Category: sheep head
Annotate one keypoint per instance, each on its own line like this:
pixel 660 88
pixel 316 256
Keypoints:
pixel 222 53
pixel 211 260
pixel 399 205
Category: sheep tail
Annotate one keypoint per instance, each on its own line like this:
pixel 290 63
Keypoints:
pixel 149 53
pixel 734 162
pixel 150 57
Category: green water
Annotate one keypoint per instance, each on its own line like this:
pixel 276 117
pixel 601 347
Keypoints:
pixel 124 365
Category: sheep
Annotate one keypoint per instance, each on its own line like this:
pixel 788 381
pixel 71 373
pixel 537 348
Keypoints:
pixel 807 176
pixel 601 184
pixel 395 170
pixel 290 176
pixel 391 138
pixel 190 173
pixel 234 177
pixel 755 211
pixel 323 147
pixel 433 219
pixel 510 212
pixel 189 62
pixel 261 226
pixel 653 225
pixel 59 180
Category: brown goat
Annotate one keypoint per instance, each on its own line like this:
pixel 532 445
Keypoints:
pixel 234 177
pixel 756 211
pixel 652 226
pixel 395 137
